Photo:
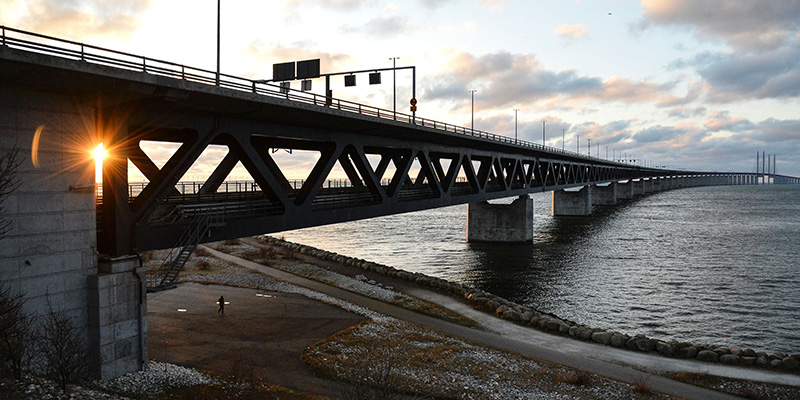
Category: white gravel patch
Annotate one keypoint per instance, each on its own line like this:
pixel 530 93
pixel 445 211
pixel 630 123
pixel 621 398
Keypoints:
pixel 155 380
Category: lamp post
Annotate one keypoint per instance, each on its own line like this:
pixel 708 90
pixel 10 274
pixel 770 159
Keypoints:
pixel 472 127
pixel 515 123
pixel 218 19
pixel 543 134
pixel 394 83
pixel 563 131
pixel 578 145
pixel 589 152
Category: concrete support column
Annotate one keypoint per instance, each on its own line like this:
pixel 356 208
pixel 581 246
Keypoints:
pixel 625 190
pixel 638 187
pixel 656 185
pixel 118 316
pixel 604 195
pixel 572 203
pixel 511 223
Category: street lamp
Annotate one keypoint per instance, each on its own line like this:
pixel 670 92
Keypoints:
pixel 472 127
pixel 542 133
pixel 394 83
pixel 562 138
pixel 578 145
pixel 515 123
pixel 218 18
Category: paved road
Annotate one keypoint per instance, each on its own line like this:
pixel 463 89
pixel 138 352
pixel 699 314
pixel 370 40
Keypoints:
pixel 545 351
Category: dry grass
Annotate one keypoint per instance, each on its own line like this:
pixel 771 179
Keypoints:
pixel 430 364
pixel 642 385
pixel 576 378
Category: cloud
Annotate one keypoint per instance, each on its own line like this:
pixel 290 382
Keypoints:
pixel 268 53
pixel 492 5
pixel 432 4
pixel 722 121
pixel 334 4
pixel 383 26
pixel 743 23
pixel 753 74
pixel 571 33
pixel 504 79
pixel 81 19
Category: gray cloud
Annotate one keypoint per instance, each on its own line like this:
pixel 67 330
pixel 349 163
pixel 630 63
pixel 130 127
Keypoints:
pixel 503 79
pixel 743 23
pixel 383 26
pixel 746 75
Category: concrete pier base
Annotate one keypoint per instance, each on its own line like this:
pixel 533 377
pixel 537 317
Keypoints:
pixel 604 195
pixel 118 316
pixel 638 187
pixel 510 223
pixel 572 203
pixel 625 190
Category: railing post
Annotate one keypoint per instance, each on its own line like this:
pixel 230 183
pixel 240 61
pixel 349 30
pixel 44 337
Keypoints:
pixel 4 35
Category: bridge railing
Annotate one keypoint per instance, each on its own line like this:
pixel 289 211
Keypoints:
pixel 49 45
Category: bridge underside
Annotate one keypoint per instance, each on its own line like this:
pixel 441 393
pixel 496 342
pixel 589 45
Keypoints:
pixel 390 168
pixel 388 171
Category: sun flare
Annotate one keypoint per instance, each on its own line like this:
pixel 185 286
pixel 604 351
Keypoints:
pixel 99 154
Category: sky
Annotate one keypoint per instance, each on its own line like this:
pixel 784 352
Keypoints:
pixel 694 84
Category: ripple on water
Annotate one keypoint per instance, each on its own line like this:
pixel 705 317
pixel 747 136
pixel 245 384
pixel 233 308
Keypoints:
pixel 684 258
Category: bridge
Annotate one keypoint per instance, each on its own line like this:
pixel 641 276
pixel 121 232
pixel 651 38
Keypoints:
pixel 59 98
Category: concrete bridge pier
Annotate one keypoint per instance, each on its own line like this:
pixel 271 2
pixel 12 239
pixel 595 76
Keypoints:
pixel 118 316
pixel 656 184
pixel 638 187
pixel 510 223
pixel 572 203
pixel 50 253
pixel 625 190
pixel 604 194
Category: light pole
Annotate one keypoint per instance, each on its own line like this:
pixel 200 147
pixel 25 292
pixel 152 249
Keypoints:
pixel 218 18
pixel 590 147
pixel 578 145
pixel 472 127
pixel 515 123
pixel 543 134
pixel 562 138
pixel 394 83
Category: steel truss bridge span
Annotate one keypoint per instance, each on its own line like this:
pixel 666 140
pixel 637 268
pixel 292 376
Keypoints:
pixel 394 163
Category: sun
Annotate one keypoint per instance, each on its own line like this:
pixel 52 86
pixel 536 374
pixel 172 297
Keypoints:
pixel 99 153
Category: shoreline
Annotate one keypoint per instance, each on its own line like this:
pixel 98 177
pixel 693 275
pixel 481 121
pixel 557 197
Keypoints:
pixel 546 322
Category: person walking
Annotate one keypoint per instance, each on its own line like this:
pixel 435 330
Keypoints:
pixel 221 305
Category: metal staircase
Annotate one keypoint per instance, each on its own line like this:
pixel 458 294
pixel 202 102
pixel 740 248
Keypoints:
pixel 164 278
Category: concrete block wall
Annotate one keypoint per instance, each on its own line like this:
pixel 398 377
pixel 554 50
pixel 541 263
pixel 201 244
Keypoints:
pixel 51 247
pixel 50 251
pixel 117 316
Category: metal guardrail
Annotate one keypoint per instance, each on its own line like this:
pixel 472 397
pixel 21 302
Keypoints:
pixel 49 45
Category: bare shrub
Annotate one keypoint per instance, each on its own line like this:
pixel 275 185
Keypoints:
pixel 201 252
pixel 203 265
pixel 63 350
pixel 378 386
pixel 230 242
pixel 578 378
pixel 641 385
pixel 16 329
pixel 9 162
